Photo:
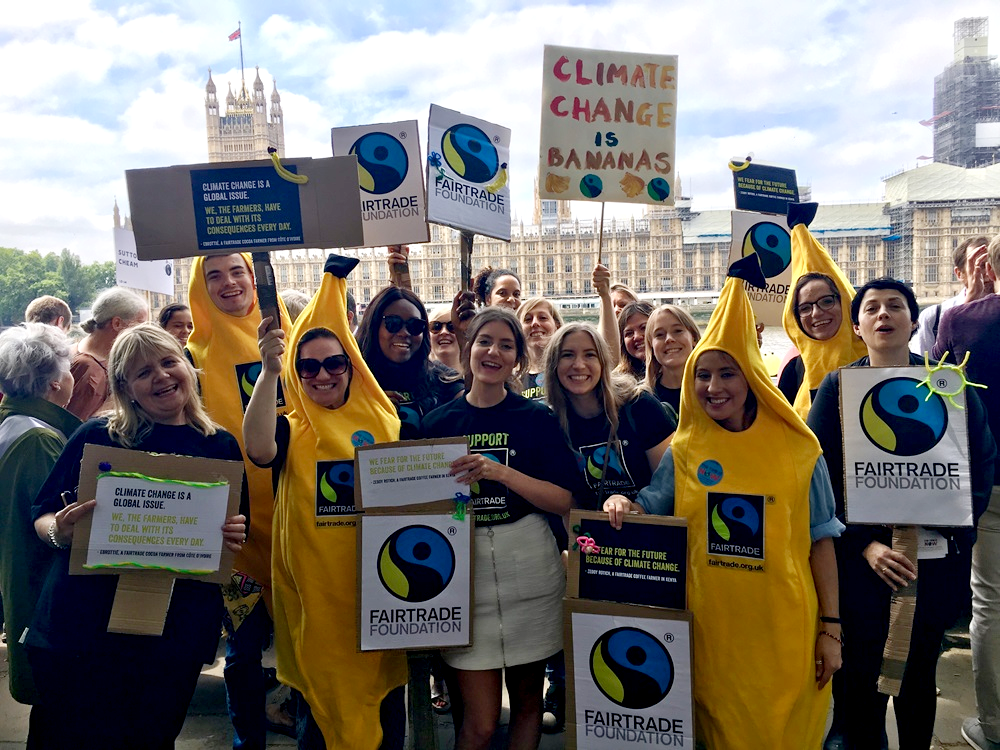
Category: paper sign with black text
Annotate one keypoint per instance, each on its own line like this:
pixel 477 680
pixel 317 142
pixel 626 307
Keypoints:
pixel 628 677
pixel 767 237
pixel 409 475
pixel 415 579
pixel 761 187
pixel 151 275
pixel 906 447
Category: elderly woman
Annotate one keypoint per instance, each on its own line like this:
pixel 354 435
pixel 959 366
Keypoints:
pixel 112 690
pixel 34 425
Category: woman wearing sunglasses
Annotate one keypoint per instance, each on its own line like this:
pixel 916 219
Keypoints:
pixel 394 341
pixel 444 341
pixel 346 699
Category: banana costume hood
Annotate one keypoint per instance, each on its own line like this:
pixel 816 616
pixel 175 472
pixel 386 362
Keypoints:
pixel 224 348
pixel 315 537
pixel 818 357
pixel 746 499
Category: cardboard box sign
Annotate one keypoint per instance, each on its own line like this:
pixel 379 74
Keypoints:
pixel 158 518
pixel 761 187
pixel 415 579
pixel 223 208
pixel 644 563
pixel 628 676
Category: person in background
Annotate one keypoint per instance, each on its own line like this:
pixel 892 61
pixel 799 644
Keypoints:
pixel 929 321
pixel 444 342
pixel 176 320
pixel 50 310
pixel 539 320
pixel 295 302
pixel 114 310
pixel 632 339
pixel 116 690
pixel 352 312
pixel 671 335
pixel 497 286
pixel 621 295
pixel 34 426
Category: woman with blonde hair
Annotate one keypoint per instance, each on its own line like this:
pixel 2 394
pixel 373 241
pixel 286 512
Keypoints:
pixel 113 690
pixel 671 334
pixel 539 320
pixel 632 323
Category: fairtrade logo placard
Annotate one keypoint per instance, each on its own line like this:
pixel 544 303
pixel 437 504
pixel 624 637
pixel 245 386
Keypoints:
pixel 334 487
pixel 382 162
pixel 631 668
pixel 773 247
pixel 416 563
pixel 897 416
pixel 469 153
pixel 736 525
pixel 246 378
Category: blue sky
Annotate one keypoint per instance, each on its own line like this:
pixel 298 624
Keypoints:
pixel 835 90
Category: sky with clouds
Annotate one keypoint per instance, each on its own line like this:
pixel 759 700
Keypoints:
pixel 833 88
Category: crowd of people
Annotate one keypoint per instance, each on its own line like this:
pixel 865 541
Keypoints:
pixel 623 416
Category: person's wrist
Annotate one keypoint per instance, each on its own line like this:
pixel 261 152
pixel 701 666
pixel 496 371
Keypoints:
pixel 54 539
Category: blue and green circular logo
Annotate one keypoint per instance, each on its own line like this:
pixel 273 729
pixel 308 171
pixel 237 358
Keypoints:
pixel 591 186
pixel 772 245
pixel 631 668
pixel 469 153
pixel 382 162
pixel 658 189
pixel 416 563
pixel 735 510
pixel 898 417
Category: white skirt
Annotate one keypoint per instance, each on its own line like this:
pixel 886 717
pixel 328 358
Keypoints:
pixel 520 582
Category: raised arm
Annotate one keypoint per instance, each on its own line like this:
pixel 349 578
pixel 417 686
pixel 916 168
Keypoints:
pixel 607 322
pixel 260 419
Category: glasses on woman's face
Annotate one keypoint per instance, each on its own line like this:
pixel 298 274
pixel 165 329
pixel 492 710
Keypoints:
pixel 437 325
pixel 334 365
pixel 414 326
pixel 823 303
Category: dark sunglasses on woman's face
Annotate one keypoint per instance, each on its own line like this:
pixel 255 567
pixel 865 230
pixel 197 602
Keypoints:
pixel 335 365
pixel 414 326
pixel 437 325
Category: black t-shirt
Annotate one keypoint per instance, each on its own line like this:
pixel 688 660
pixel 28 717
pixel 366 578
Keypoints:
pixel 670 396
pixel 73 611
pixel 790 379
pixel 642 424
pixel 416 400
pixel 534 386
pixel 517 432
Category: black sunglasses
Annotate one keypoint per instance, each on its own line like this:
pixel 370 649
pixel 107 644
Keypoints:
pixel 334 365
pixel 414 326
pixel 437 325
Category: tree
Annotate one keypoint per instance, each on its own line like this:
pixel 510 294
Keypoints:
pixel 25 276
pixel 76 280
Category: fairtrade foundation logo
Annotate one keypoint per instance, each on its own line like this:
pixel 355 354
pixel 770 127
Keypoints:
pixel 772 245
pixel 736 525
pixel 334 487
pixel 246 378
pixel 596 461
pixel 416 563
pixel 896 417
pixel 382 162
pixel 631 668
pixel 469 153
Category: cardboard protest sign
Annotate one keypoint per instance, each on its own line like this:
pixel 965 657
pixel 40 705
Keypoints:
pixel 769 238
pixel 906 447
pixel 390 179
pixel 629 676
pixel 761 187
pixel 410 474
pixel 415 579
pixel 608 126
pixel 643 563
pixel 151 275
pixel 221 208
pixel 467 163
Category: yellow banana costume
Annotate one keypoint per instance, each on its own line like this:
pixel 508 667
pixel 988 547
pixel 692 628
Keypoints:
pixel 224 348
pixel 746 499
pixel 819 357
pixel 315 556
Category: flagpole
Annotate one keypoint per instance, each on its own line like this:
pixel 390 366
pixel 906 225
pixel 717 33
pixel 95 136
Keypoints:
pixel 239 28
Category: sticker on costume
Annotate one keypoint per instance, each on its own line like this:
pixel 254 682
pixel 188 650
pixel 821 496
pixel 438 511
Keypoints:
pixel 932 545
pixel 710 472
pixel 246 379
pixel 334 488
pixel 488 497
pixel 735 526
pixel 616 476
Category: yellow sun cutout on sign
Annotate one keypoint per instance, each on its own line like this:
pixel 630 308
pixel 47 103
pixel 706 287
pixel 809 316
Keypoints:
pixel 947 380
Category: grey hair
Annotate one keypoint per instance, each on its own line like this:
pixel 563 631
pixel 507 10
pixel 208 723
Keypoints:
pixel 32 356
pixel 116 302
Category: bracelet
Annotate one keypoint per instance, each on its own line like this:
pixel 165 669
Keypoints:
pixel 52 537
pixel 830 620
pixel 828 634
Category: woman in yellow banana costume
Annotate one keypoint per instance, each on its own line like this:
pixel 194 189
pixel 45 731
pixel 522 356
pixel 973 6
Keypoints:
pixel 336 406
pixel 814 316
pixel 747 474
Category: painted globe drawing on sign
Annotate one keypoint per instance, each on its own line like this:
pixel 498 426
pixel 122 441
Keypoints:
pixel 416 563
pixel 631 668
pixel 772 245
pixel 469 153
pixel 591 186
pixel 896 417
pixel 382 162
pixel 658 189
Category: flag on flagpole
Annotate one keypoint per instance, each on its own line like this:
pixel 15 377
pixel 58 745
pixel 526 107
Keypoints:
pixel 234 36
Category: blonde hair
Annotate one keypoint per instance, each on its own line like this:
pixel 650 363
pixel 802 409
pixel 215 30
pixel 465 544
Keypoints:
pixel 615 389
pixel 653 368
pixel 532 302
pixel 129 423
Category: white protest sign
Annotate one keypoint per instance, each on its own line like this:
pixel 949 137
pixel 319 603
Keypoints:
pixel 768 236
pixel 631 677
pixel 390 179
pixel 407 473
pixel 161 524
pixel 151 275
pixel 608 126
pixel 467 162
pixel 415 578
pixel 906 448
